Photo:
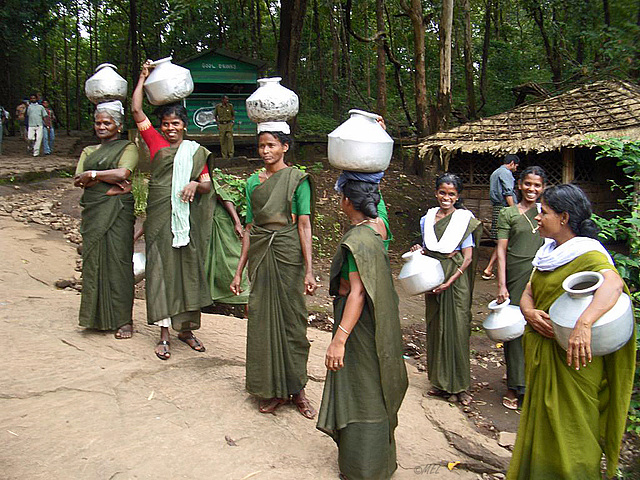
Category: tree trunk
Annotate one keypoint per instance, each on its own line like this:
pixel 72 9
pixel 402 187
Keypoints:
pixel 319 60
pixel 367 59
pixel 77 68
pixel 65 38
pixel 45 72
pixel 468 60
pixel 419 73
pixel 485 53
pixel 443 108
pixel 551 46
pixel 335 63
pixel 607 13
pixel 381 69
pixel 292 14
pixel 133 37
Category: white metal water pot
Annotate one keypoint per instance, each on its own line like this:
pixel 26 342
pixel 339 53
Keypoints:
pixel 167 82
pixel 105 85
pixel 505 322
pixel 272 102
pixel 420 273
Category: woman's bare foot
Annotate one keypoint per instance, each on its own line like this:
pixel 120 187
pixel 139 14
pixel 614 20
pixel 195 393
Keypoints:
pixel 465 398
pixel 125 331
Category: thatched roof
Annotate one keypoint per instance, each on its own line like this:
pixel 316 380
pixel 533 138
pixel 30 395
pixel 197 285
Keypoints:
pixel 606 108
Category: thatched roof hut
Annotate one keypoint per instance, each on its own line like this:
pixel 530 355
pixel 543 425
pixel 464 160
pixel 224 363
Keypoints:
pixel 552 133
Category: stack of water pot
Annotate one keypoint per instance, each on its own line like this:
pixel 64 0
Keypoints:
pixel 271 105
pixel 167 82
pixel 105 85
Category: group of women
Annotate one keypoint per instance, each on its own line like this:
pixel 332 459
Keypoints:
pixel 575 404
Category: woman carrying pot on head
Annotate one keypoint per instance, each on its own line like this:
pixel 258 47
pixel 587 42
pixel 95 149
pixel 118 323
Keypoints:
pixel 518 242
pixel 367 378
pixel 178 224
pixel 277 247
pixel 450 234
pixel 107 225
pixel 575 407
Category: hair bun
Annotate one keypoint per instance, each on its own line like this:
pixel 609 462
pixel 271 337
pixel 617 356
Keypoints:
pixel 588 228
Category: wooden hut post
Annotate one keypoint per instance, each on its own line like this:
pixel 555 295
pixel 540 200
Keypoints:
pixel 568 167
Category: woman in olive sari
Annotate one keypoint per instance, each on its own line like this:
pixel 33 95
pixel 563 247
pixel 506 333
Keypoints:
pixel 367 378
pixel 178 223
pixel 277 247
pixel 575 407
pixel 450 234
pixel 518 242
pixel 107 225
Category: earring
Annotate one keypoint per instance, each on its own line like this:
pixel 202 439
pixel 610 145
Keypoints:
pixel 561 223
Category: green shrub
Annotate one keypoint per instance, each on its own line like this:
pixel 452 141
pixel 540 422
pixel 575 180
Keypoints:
pixel 140 190
pixel 315 124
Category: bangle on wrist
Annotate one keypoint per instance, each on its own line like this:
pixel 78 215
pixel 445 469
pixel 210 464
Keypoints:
pixel 461 272
pixel 344 329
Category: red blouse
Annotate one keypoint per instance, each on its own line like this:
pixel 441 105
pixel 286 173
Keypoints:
pixel 155 141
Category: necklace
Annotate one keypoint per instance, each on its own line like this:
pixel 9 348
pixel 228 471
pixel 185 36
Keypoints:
pixel 366 220
pixel 533 229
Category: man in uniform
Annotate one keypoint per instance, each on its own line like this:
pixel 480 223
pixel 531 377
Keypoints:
pixel 225 117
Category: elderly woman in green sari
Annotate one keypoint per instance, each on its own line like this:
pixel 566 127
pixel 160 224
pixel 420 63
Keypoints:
pixel 178 223
pixel 450 234
pixel 107 225
pixel 366 379
pixel 518 242
pixel 575 407
pixel 277 247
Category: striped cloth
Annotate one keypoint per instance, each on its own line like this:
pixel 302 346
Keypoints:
pixel 494 221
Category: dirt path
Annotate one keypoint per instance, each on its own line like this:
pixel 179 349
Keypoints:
pixel 78 404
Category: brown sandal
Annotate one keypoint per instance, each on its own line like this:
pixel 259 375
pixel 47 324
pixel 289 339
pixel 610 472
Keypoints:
pixel 195 345
pixel 270 405
pixel 305 408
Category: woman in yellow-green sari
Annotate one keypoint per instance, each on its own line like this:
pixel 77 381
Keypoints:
pixel 575 406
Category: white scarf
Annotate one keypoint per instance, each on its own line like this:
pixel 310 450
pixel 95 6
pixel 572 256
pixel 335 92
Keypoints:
pixel 550 256
pixel 182 166
pixel 451 237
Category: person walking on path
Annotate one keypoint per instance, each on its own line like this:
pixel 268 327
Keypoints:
pixel 225 117
pixel 178 223
pixel 367 377
pixel 518 242
pixel 36 114
pixel 502 194
pixel 4 119
pixel 450 234
pixel 277 246
pixel 21 117
pixel 103 172
pixel 49 125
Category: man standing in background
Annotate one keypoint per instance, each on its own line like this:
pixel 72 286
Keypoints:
pixel 21 116
pixel 502 194
pixel 36 114
pixel 225 116
pixel 49 133
pixel 4 118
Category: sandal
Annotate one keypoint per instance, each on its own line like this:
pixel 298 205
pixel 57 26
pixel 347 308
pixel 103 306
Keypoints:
pixel 165 354
pixel 270 405
pixel 124 332
pixel 465 398
pixel 436 392
pixel 195 345
pixel 510 403
pixel 304 407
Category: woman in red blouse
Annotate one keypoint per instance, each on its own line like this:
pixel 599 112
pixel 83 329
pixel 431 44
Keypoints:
pixel 178 223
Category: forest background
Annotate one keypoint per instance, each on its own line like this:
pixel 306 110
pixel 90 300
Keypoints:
pixel 425 65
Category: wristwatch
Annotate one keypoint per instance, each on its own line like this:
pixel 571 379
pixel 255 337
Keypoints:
pixel 93 174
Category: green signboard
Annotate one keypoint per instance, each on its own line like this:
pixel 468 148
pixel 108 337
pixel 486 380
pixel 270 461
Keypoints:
pixel 201 114
pixel 215 68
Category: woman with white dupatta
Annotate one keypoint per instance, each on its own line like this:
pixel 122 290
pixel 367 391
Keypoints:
pixel 450 234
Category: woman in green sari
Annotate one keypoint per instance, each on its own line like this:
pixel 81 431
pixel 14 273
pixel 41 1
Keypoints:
pixel 224 249
pixel 178 223
pixel 367 378
pixel 450 234
pixel 277 247
pixel 518 242
pixel 107 225
pixel 575 407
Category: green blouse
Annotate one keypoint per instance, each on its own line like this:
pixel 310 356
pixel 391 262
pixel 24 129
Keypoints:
pixel 300 204
pixel 128 160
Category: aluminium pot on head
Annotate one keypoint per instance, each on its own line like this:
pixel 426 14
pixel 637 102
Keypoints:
pixel 609 333
pixel 505 322
pixel 360 144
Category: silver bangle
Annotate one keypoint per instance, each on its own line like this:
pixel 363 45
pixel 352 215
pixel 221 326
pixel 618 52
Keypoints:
pixel 344 329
